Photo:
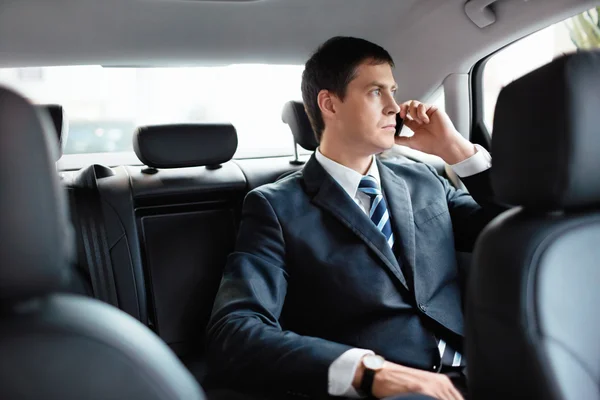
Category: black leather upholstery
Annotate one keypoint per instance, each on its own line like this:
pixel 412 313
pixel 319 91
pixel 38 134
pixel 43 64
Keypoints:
pixel 181 186
pixel 532 320
pixel 185 145
pixel 35 238
pixel 260 171
pixel 546 133
pixel 185 214
pixel 54 345
pixel 59 121
pixel 295 116
pixel 70 347
pixel 114 192
pixel 188 220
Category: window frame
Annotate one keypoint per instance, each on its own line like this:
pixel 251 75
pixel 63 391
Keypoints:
pixel 479 132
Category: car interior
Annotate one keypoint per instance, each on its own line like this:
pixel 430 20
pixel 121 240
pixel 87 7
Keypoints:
pixel 132 130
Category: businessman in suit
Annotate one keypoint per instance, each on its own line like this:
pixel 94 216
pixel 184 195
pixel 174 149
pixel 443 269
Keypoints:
pixel 344 279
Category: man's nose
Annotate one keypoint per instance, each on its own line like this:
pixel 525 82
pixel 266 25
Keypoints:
pixel 392 107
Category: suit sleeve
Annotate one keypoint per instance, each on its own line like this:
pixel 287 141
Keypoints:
pixel 470 211
pixel 246 343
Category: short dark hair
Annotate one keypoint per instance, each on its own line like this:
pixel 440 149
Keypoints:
pixel 332 67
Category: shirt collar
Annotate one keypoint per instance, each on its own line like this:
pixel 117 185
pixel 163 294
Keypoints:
pixel 347 178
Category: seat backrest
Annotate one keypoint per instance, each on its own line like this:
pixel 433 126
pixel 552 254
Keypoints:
pixel 54 345
pixel 169 227
pixel 295 116
pixel 187 203
pixel 104 211
pixel 532 319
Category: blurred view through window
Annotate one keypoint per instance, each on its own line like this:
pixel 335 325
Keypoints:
pixel 105 105
pixel 579 32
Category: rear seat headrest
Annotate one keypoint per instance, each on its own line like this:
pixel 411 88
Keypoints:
pixel 185 145
pixel 546 141
pixel 36 241
pixel 295 116
pixel 59 121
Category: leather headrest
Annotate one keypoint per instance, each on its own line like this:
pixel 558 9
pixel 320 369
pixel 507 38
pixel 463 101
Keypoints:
pixel 185 145
pixel 59 121
pixel 295 116
pixel 36 241
pixel 546 141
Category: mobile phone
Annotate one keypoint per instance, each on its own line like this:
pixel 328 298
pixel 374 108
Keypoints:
pixel 399 124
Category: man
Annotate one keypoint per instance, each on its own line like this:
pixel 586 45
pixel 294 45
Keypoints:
pixel 352 261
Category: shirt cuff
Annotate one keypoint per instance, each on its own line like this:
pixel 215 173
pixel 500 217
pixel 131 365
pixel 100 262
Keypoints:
pixel 478 162
pixel 342 372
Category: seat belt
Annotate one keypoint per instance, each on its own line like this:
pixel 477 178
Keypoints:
pixel 93 250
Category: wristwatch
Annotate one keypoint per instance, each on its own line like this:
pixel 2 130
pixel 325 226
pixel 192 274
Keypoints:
pixel 372 364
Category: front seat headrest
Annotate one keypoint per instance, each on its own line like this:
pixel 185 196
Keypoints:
pixel 36 242
pixel 546 137
pixel 59 121
pixel 185 145
pixel 295 116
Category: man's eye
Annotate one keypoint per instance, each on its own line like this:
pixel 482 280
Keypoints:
pixel 377 92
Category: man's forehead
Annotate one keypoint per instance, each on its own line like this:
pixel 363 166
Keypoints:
pixel 367 72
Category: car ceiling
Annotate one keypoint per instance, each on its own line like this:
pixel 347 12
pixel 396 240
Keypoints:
pixel 428 39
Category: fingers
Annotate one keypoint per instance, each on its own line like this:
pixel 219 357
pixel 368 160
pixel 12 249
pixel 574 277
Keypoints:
pixel 442 388
pixel 450 392
pixel 422 113
pixel 412 125
pixel 415 111
pixel 405 111
pixel 455 394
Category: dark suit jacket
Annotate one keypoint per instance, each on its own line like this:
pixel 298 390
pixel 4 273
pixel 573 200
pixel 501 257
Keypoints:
pixel 312 277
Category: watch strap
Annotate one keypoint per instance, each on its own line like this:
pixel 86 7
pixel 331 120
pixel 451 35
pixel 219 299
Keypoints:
pixel 366 384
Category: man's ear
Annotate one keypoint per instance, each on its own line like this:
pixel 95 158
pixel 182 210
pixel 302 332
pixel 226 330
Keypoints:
pixel 326 103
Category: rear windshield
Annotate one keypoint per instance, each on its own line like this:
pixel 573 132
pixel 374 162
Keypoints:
pixel 105 105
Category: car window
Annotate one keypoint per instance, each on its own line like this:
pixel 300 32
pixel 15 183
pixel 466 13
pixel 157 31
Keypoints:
pixel 579 32
pixel 105 105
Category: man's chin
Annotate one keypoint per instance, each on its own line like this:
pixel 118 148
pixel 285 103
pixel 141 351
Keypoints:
pixel 386 145
pixel 379 146
pixel 380 151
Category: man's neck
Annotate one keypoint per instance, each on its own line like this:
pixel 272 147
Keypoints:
pixel 346 157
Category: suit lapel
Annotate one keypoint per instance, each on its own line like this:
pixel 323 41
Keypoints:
pixel 330 196
pixel 400 207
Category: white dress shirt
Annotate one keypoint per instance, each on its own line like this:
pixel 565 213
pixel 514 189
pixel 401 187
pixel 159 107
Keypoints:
pixel 342 370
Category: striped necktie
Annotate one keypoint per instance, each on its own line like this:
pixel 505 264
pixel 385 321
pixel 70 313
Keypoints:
pixel 381 218
pixel 378 213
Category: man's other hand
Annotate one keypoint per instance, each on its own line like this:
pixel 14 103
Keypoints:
pixel 434 133
pixel 394 379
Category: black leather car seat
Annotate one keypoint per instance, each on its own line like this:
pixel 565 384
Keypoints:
pixel 532 305
pixel 55 345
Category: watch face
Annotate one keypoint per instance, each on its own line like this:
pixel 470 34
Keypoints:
pixel 373 362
